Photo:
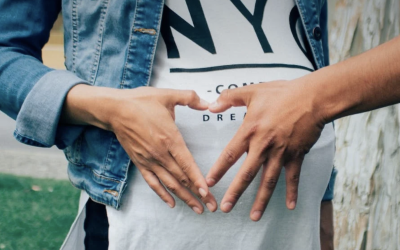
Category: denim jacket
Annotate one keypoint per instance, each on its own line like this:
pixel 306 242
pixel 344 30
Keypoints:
pixel 107 43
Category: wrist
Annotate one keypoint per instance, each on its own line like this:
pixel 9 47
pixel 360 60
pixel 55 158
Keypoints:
pixel 89 105
pixel 327 91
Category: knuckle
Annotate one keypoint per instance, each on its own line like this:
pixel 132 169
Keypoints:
pixel 295 179
pixel 142 162
pixel 230 156
pixel 305 151
pixel 248 175
pixel 270 183
pixel 187 201
pixel 188 184
pixel 192 95
pixel 172 188
pixel 154 154
pixel 153 184
pixel 185 181
pixel 185 166
pixel 165 140
pixel 269 141
pixel 253 128
pixel 143 154
pixel 225 94
pixel 297 154
pixel 262 202
pixel 163 196
pixel 142 158
pixel 235 195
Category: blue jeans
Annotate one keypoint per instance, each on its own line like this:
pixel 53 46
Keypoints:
pixel 96 226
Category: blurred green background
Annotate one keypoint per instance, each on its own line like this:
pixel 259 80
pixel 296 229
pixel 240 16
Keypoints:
pixel 35 213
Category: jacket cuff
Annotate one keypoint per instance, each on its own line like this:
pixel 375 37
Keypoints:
pixel 37 121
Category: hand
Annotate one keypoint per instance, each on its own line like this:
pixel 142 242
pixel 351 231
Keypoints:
pixel 280 127
pixel 143 121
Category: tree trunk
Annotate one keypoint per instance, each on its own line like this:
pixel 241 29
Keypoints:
pixel 367 191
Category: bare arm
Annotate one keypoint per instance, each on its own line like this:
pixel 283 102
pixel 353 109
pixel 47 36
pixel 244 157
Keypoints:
pixel 283 133
pixel 365 82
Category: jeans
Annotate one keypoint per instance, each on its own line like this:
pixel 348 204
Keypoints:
pixel 96 226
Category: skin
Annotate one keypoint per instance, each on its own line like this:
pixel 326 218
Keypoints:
pixel 276 137
pixel 282 134
pixel 157 149
pixel 326 225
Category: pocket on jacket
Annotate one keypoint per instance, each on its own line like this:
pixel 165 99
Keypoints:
pixel 73 152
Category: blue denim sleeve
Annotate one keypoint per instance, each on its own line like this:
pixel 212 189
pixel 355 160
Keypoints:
pixel 30 92
pixel 328 196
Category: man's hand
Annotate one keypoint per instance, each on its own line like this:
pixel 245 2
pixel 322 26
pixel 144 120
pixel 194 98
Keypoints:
pixel 280 127
pixel 143 122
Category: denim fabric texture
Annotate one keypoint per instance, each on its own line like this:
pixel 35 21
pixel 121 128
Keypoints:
pixel 328 196
pixel 107 43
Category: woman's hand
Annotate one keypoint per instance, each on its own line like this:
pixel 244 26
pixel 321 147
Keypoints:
pixel 280 127
pixel 143 122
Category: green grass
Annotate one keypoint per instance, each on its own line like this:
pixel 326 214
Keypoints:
pixel 38 219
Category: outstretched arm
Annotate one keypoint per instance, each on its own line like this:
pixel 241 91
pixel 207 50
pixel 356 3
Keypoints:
pixel 283 133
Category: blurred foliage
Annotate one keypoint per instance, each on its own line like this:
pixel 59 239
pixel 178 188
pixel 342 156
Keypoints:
pixel 35 213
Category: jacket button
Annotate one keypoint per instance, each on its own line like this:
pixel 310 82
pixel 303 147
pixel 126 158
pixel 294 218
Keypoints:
pixel 317 33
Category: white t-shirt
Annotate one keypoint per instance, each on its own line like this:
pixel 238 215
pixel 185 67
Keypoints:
pixel 209 46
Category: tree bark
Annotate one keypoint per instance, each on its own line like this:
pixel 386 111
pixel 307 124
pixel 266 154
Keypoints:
pixel 367 191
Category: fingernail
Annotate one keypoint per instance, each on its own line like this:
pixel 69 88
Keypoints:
pixel 170 205
pixel 214 105
pixel 204 102
pixel 210 206
pixel 196 210
pixel 202 192
pixel 210 182
pixel 256 215
pixel 226 207
pixel 292 205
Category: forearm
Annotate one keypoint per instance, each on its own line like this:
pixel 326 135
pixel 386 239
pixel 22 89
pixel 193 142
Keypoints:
pixel 362 83
pixel 89 105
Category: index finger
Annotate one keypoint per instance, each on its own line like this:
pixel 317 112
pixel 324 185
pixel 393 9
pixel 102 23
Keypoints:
pixel 185 160
pixel 188 98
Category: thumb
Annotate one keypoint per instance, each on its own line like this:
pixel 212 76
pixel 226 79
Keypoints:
pixel 229 98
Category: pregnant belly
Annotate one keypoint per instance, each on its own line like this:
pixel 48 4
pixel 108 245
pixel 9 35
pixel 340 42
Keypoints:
pixel 144 217
pixel 145 222
pixel 153 225
pixel 207 134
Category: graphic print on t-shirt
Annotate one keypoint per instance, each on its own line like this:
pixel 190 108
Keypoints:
pixel 199 33
pixel 209 46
